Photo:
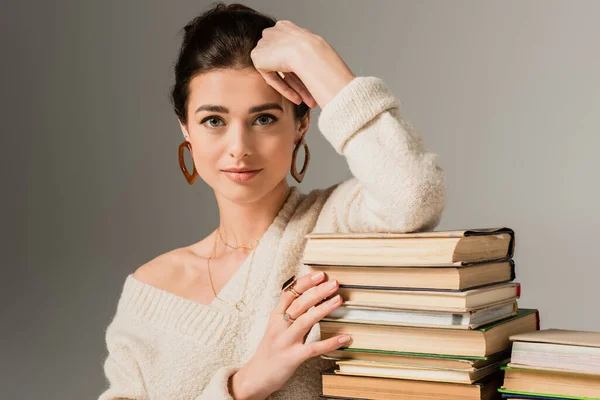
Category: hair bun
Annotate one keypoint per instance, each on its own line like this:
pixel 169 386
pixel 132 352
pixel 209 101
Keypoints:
pixel 237 7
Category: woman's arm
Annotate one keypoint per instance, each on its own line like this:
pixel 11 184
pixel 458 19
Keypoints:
pixel 397 185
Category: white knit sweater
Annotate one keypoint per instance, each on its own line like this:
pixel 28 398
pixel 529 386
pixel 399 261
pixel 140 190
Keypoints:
pixel 163 346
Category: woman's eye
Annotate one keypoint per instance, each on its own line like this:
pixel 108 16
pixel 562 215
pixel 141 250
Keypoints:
pixel 214 122
pixel 264 119
pixel 210 121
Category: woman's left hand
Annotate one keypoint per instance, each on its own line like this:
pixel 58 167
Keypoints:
pixel 314 72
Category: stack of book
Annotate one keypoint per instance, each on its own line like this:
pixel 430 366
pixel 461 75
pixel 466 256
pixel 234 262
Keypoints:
pixel 430 313
pixel 554 364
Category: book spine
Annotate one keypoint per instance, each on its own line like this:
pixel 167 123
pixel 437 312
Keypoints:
pixel 513 274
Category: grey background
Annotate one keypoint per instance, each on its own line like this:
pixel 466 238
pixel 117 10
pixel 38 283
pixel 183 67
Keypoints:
pixel 507 93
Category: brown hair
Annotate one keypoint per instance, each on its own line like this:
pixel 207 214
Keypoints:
pixel 220 38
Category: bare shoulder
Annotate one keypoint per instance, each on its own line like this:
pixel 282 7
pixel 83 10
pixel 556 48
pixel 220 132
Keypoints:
pixel 161 270
pixel 174 268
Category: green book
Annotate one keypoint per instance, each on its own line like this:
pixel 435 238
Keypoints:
pixel 542 395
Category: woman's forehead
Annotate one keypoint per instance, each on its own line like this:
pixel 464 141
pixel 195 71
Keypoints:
pixel 237 90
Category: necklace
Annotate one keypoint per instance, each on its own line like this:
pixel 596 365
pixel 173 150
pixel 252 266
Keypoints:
pixel 249 247
pixel 240 305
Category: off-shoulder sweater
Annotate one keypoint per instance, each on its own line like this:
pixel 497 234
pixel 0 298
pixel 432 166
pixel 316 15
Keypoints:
pixel 163 346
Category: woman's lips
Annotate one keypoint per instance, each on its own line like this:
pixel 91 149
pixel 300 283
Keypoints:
pixel 241 176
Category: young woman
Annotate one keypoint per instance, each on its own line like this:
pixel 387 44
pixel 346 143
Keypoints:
pixel 210 320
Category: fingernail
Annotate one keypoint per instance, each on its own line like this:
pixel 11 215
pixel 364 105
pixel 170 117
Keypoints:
pixel 330 284
pixel 344 339
pixel 334 299
pixel 316 276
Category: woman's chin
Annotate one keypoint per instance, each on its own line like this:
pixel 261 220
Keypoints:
pixel 243 192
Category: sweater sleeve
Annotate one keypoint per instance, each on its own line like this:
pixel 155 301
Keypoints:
pixel 397 186
pixel 123 374
pixel 218 386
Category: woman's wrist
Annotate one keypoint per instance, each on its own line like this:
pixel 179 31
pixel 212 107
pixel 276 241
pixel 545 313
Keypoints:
pixel 242 387
pixel 322 70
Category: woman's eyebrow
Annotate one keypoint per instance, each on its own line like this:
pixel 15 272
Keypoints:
pixel 263 107
pixel 225 110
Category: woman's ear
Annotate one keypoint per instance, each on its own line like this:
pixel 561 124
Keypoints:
pixel 184 130
pixel 302 126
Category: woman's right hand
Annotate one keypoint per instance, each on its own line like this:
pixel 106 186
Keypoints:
pixel 282 348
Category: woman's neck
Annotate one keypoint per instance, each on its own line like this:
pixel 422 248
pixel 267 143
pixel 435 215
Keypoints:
pixel 244 224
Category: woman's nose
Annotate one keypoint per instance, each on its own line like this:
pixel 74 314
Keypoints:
pixel 239 142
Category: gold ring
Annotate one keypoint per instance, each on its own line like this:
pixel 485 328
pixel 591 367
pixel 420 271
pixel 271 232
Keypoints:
pixel 281 74
pixel 286 317
pixel 288 286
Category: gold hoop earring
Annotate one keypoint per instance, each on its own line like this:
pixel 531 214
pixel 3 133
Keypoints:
pixel 299 176
pixel 189 177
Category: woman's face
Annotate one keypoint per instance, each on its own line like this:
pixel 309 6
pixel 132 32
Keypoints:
pixel 236 121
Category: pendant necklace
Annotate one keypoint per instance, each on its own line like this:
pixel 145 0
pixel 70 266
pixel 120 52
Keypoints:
pixel 239 305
